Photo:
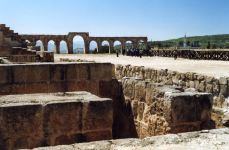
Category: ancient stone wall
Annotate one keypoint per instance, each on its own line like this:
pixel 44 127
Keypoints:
pixel 36 120
pixel 51 78
pixel 151 109
pixel 218 86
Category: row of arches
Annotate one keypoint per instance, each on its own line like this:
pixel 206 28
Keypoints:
pixel 78 45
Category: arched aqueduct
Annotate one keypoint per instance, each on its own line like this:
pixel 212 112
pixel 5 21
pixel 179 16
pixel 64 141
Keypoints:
pixel 87 39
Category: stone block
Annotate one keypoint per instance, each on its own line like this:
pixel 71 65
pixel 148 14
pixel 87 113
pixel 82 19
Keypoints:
pixel 96 70
pixel 201 86
pixel 82 85
pixel 209 88
pixel 128 85
pixel 209 79
pixel 192 84
pixel 106 73
pixel 17 73
pixel 223 80
pixel 41 87
pixel 193 107
pixel 5 74
pixel 169 82
pixel 134 108
pixel 37 73
pixel 70 139
pixel 93 87
pixel 141 107
pixel 61 118
pixel 223 90
pixel 84 72
pixel 58 72
pixel 15 88
pixel 71 72
pixel 21 124
pixel 97 115
pixel 140 91
pixel 63 86
pixel 105 88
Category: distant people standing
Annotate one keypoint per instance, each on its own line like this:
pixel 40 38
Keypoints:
pixel 132 52
pixel 141 53
pixel 127 52
pixel 123 51
pixel 150 53
pixel 117 52
pixel 175 54
pixel 135 52
pixel 38 58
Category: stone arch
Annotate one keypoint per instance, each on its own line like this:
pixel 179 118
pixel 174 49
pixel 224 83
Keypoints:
pixel 81 37
pixel 40 44
pixel 120 45
pixel 90 44
pixel 105 40
pixel 61 47
pixel 140 46
pixel 51 45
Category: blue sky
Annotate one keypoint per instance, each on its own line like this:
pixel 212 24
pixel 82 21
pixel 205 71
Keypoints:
pixel 156 19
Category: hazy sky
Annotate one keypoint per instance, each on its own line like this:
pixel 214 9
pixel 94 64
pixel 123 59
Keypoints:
pixel 156 19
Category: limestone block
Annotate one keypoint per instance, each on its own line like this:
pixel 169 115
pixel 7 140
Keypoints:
pixel 209 88
pixel 164 72
pixel 190 76
pixel 40 87
pixel 105 88
pixel 58 72
pixel 223 89
pixel 195 76
pixel 84 72
pixel 207 125
pixel 201 87
pixel 62 86
pixel 71 72
pixel 178 76
pixel 223 80
pixel 21 126
pixel 144 132
pixel 141 75
pixel 106 73
pixel 97 115
pixel 158 72
pixel 200 77
pixel 192 84
pixel 5 74
pixel 209 79
pixel 183 76
pixel 98 135
pixel 193 107
pixel 182 83
pixel 63 118
pixel 169 82
pixel 17 73
pixel 140 90
pixel 37 73
pixel 129 87
pixel 15 88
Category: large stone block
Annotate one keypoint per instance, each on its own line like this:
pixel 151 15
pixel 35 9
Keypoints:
pixel 97 115
pixel 186 107
pixel 140 91
pixel 58 72
pixel 63 87
pixel 223 89
pixel 40 87
pixel 61 118
pixel 128 85
pixel 37 73
pixel 84 72
pixel 223 80
pixel 98 135
pixel 17 73
pixel 15 88
pixel 71 72
pixel 21 126
pixel 5 74
pixel 105 88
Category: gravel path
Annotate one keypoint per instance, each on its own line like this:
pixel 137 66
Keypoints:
pixel 207 67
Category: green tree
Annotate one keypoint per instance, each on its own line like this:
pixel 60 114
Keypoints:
pixel 105 49
pixel 208 45
pixel 214 46
pixel 181 43
pixel 188 43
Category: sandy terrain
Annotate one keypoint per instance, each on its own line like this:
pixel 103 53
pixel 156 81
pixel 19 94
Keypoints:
pixel 207 67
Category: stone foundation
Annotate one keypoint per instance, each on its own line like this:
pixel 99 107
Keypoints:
pixel 35 120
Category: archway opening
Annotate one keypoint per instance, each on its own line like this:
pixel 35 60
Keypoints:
pixel 78 45
pixel 141 44
pixel 63 47
pixel 93 47
pixel 105 47
pixel 39 43
pixel 118 46
pixel 51 46
pixel 128 45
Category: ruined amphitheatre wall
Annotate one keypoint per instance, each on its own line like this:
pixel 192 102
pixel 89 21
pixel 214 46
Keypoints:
pixel 218 86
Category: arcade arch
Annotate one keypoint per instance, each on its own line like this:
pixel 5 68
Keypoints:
pixel 78 44
pixel 105 47
pixel 93 46
pixel 128 45
pixel 117 46
pixel 51 46
pixel 141 44
pixel 63 47
pixel 40 43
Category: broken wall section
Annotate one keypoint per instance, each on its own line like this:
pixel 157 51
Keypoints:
pixel 151 109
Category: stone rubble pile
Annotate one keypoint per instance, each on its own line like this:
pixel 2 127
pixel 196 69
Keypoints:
pixel 73 60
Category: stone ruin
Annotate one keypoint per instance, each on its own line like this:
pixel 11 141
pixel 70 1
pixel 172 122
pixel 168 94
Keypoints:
pixel 115 109
pixel 15 49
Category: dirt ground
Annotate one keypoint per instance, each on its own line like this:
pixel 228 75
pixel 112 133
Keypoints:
pixel 206 67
